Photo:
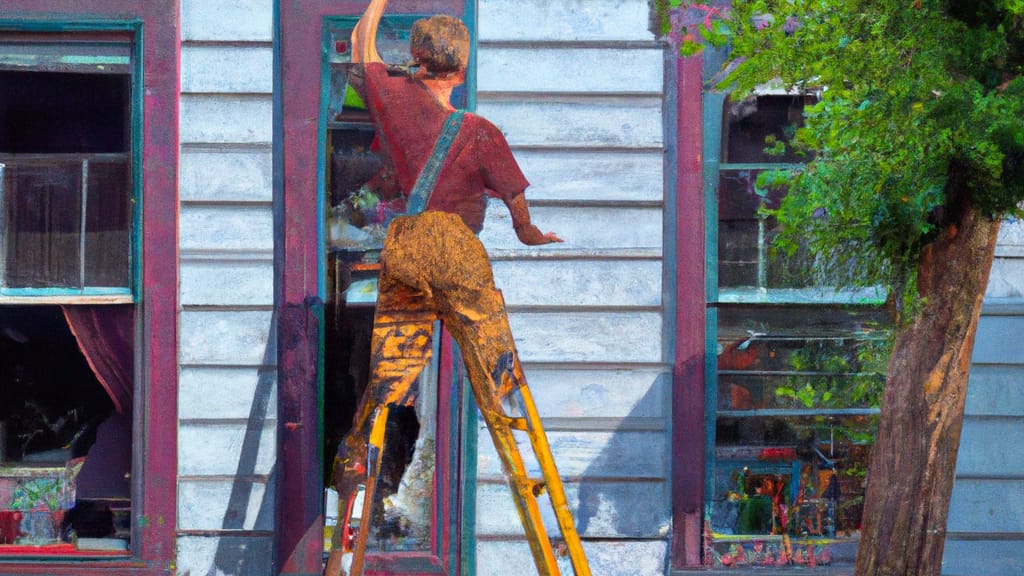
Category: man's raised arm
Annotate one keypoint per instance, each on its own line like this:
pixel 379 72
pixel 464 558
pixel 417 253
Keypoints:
pixel 364 35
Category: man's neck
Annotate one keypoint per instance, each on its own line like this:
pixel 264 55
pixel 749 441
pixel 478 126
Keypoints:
pixel 440 87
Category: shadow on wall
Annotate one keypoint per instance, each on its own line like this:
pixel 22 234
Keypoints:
pixel 251 555
pixel 624 491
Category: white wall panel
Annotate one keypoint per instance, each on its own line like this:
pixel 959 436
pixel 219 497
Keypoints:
pixel 241 503
pixel 588 393
pixel 549 122
pixel 227 175
pixel 605 558
pixel 569 70
pixel 591 455
pixel 564 20
pixel 212 68
pixel 582 228
pixel 226 392
pixel 227 227
pixel 239 338
pixel 601 510
pixel 227 283
pixel 623 176
pixel 226 119
pixel 227 20
pixel 223 449
pixel 607 337
pixel 579 282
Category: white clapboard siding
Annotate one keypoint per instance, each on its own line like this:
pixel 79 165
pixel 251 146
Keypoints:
pixel 564 20
pixel 564 392
pixel 1006 279
pixel 227 444
pixel 995 391
pixel 196 554
pixel 579 282
pixel 594 455
pixel 226 337
pixel 580 175
pixel 605 557
pixel 580 227
pixel 602 509
pixel 602 337
pixel 224 504
pixel 565 121
pixel 227 69
pixel 226 448
pixel 227 392
pixel 218 282
pixel 988 557
pixel 227 20
pixel 576 87
pixel 998 449
pixel 210 173
pixel 998 338
pixel 572 70
pixel 227 228
pixel 227 118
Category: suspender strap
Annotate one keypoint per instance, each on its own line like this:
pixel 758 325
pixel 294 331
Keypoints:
pixel 424 187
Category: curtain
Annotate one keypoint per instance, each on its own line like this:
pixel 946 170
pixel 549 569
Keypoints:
pixel 106 337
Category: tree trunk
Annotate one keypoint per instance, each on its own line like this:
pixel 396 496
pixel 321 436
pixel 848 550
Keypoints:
pixel 910 479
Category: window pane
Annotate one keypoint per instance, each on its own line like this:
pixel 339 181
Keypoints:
pixel 42 220
pixel 760 122
pixel 797 398
pixel 107 225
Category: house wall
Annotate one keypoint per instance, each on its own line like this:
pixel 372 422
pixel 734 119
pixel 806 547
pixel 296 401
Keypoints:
pixel 227 398
pixel 577 87
pixel 985 533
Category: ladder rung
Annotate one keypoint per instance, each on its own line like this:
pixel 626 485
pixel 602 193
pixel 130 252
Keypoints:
pixel 521 424
pixel 537 485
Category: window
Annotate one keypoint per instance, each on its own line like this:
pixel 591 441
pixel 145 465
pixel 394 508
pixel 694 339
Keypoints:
pixel 67 317
pixel 358 205
pixel 793 398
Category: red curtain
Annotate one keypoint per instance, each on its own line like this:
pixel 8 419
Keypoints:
pixel 106 337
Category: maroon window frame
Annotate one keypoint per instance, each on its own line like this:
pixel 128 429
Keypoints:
pixel 297 92
pixel 155 443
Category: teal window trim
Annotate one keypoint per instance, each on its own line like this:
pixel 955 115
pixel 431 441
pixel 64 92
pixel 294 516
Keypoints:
pixel 135 27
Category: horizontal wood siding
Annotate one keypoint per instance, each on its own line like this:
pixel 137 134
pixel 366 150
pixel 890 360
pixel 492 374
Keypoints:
pixel 577 89
pixel 227 408
pixel 985 532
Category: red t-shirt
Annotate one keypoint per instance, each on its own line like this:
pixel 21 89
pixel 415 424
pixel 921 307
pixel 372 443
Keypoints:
pixel 409 120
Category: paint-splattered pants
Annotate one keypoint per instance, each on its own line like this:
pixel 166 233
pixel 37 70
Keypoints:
pixel 432 267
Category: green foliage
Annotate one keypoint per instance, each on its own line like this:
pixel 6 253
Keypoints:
pixel 847 373
pixel 919 116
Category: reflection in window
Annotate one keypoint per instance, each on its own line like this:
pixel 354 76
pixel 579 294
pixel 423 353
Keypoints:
pixel 800 369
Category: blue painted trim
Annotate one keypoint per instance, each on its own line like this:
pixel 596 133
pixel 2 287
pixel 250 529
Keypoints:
pixel 469 17
pixel 321 160
pixel 90 25
pixel 470 428
pixel 100 291
pixel 138 124
pixel 712 121
pixel 467 473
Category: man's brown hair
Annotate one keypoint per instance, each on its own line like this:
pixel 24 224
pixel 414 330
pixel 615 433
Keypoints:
pixel 440 44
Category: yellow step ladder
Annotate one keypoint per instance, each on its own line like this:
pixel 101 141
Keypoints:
pixel 525 490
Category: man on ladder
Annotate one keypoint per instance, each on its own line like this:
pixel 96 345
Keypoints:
pixel 434 267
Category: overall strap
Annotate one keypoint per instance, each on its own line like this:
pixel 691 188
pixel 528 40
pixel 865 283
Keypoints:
pixel 421 191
